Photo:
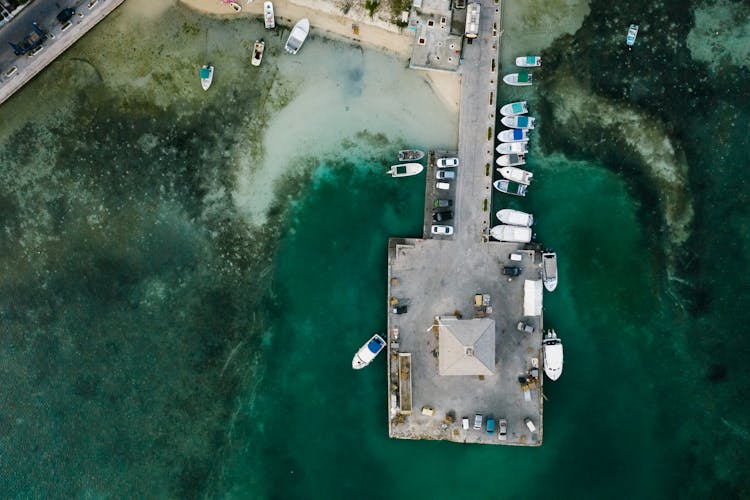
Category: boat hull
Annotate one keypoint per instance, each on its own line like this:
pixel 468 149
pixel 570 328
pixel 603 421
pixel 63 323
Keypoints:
pixel 513 135
pixel 553 355
pixel 516 175
pixel 368 352
pixel 508 187
pixel 517 81
pixel 298 36
pixel 632 35
pixel 528 61
pixel 507 148
pixel 269 18
pixel 511 160
pixel 258 49
pixel 549 270
pixel 514 217
pixel 410 155
pixel 207 80
pixel 521 122
pixel 511 234
pixel 514 109
pixel 405 169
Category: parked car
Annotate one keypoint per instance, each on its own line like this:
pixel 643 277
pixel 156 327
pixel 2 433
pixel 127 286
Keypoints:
pixel 525 328
pixel 443 185
pixel 445 174
pixel 400 309
pixel 442 216
pixel 529 424
pixel 502 429
pixel 439 229
pixel 511 270
pixel 447 162
pixel 465 423
pixel 64 15
pixel 516 257
pixel 490 425
pixel 442 203
pixel 428 411
pixel 477 421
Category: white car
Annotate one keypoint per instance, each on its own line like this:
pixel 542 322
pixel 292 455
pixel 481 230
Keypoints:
pixel 446 230
pixel 465 423
pixel 445 174
pixel 447 162
pixel 443 185
pixel 477 421
pixel 503 429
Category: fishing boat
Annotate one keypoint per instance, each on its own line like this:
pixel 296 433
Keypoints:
pixel 268 17
pixel 510 187
pixel 297 36
pixel 514 108
pixel 549 270
pixel 507 148
pixel 632 34
pixel 528 61
pixel 207 76
pixel 513 135
pixel 258 48
pixel 553 355
pixel 405 169
pixel 511 160
pixel 512 234
pixel 522 122
pixel 514 217
pixel 521 79
pixel 368 352
pixel 516 174
pixel 410 155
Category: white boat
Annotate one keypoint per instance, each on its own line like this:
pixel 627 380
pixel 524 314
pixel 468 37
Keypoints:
pixel 632 34
pixel 235 6
pixel 518 79
pixel 410 155
pixel 513 135
pixel 510 187
pixel 514 108
pixel 207 76
pixel 522 122
pixel 511 160
pixel 516 174
pixel 368 352
pixel 297 36
pixel 405 169
pixel 528 61
pixel 507 148
pixel 513 234
pixel 258 48
pixel 268 17
pixel 553 355
pixel 549 270
pixel 514 217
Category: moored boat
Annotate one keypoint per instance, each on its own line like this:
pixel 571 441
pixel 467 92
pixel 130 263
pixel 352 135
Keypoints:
pixel 235 6
pixel 522 122
pixel 268 17
pixel 507 148
pixel 632 34
pixel 514 217
pixel 368 352
pixel 516 174
pixel 512 234
pixel 511 160
pixel 410 155
pixel 207 76
pixel 528 61
pixel 297 36
pixel 553 355
pixel 513 135
pixel 521 79
pixel 405 169
pixel 258 48
pixel 510 187
pixel 549 270
pixel 514 108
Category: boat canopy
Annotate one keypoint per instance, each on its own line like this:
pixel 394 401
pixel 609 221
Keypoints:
pixel 530 59
pixel 523 121
pixel 205 72
pixel 517 134
pixel 532 298
pixel 374 345
pixel 516 107
pixel 523 77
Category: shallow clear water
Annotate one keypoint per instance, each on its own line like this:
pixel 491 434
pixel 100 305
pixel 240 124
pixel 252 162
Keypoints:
pixel 186 275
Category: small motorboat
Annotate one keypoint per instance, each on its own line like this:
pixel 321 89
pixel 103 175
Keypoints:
pixel 549 270
pixel 511 160
pixel 510 187
pixel 297 36
pixel 632 34
pixel 235 6
pixel 207 76
pixel 553 355
pixel 514 217
pixel 512 234
pixel 507 148
pixel 368 352
pixel 514 108
pixel 528 61
pixel 516 174
pixel 513 135
pixel 268 17
pixel 258 48
pixel 518 79
pixel 410 155
pixel 405 169
pixel 522 122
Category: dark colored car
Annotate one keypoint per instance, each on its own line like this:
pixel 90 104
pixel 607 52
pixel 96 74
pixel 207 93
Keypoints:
pixel 65 15
pixel 400 310
pixel 511 270
pixel 442 203
pixel 442 216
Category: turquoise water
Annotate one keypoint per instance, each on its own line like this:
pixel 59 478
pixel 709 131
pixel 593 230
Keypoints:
pixel 159 338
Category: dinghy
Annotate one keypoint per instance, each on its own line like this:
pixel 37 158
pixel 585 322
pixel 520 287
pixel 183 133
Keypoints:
pixel 513 135
pixel 507 148
pixel 514 108
pixel 528 61
pixel 514 217
pixel 516 175
pixel 518 79
pixel 524 122
pixel 512 160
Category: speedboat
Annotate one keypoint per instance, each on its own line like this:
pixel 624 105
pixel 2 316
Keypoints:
pixel 514 217
pixel 549 270
pixel 510 187
pixel 516 174
pixel 514 108
pixel 528 61
pixel 405 169
pixel 512 234
pixel 297 36
pixel 207 76
pixel 258 48
pixel 553 355
pixel 511 160
pixel 368 352
pixel 513 135
pixel 507 148
pixel 632 34
pixel 518 79
pixel 268 17
pixel 410 155
pixel 523 122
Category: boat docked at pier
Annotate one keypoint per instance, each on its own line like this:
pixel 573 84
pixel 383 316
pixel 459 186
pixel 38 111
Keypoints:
pixel 522 122
pixel 514 217
pixel 268 16
pixel 513 135
pixel 258 49
pixel 528 61
pixel 207 76
pixel 405 169
pixel 514 108
pixel 368 352
pixel 507 148
pixel 511 160
pixel 516 174
pixel 521 79
pixel 510 187
pixel 410 155
pixel 297 36
pixel 549 270
pixel 512 234
pixel 553 355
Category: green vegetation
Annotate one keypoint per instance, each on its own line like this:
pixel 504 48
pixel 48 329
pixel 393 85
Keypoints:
pixel 485 205
pixel 372 6
pixel 489 133
pixel 487 169
pixel 397 7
